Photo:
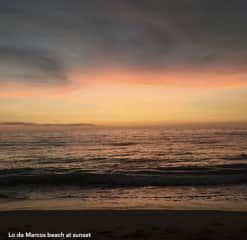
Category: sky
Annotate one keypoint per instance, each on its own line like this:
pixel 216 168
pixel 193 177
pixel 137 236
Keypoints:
pixel 123 61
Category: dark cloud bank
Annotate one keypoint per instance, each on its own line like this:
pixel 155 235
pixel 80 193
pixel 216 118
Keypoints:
pixel 42 40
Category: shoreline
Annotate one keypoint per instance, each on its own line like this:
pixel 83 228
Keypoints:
pixel 129 224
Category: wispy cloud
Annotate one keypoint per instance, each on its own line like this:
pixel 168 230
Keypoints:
pixel 29 66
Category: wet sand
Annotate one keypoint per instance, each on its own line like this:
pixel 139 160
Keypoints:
pixel 127 224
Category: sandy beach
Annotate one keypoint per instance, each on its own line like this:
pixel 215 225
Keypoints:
pixel 124 224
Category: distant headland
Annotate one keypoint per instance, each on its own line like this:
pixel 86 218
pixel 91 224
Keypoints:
pixel 46 124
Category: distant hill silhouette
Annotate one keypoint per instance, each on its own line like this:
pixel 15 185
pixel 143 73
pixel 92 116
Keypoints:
pixel 47 124
pixel 17 123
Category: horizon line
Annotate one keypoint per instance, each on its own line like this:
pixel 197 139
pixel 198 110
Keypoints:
pixel 134 124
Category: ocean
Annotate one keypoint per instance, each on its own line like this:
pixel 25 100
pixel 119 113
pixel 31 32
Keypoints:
pixel 97 167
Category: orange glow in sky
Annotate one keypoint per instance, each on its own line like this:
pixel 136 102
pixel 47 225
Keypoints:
pixel 130 97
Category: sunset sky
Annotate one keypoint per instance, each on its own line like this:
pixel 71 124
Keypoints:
pixel 123 61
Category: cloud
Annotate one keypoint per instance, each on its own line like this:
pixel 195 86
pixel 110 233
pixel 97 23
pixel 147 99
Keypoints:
pixel 29 65
pixel 153 35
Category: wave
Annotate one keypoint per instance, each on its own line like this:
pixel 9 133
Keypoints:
pixel 183 176
pixel 242 156
pixel 232 133
pixel 122 144
pixel 4 196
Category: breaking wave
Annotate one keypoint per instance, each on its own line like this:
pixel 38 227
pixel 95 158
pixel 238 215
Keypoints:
pixel 174 176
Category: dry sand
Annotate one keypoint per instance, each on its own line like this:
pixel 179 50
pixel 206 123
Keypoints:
pixel 132 224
